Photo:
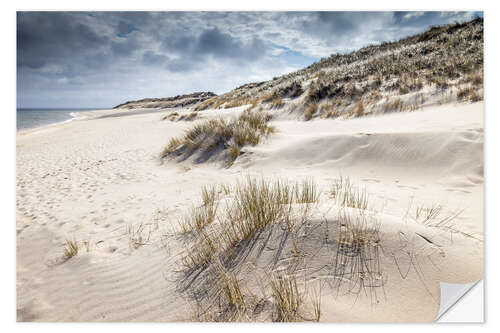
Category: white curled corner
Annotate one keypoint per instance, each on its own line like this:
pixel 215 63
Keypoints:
pixel 451 293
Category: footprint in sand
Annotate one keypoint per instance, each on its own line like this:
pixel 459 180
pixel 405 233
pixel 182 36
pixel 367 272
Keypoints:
pixel 112 249
pixel 408 186
pixel 457 190
pixel 370 180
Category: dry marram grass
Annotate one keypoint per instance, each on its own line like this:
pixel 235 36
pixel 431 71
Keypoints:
pixel 220 134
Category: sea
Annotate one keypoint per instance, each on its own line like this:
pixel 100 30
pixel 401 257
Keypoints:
pixel 32 118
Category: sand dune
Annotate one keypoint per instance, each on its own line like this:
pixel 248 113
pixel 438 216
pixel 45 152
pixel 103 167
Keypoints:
pixel 100 181
pixel 435 144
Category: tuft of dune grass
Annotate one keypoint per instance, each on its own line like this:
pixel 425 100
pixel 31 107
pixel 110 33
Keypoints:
pixel 198 217
pixel 256 204
pixel 307 192
pixel 357 263
pixel 287 298
pixel 347 195
pixel 71 249
pixel 310 111
pixel 138 236
pixel 228 135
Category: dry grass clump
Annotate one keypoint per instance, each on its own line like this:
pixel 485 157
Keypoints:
pixel 357 263
pixel 249 129
pixel 236 102
pixel 475 97
pixel 262 210
pixel 226 189
pixel 359 109
pixel 191 116
pixel 431 216
pixel 174 116
pixel 207 104
pixel 231 288
pixel 329 110
pixel 293 90
pixel 170 116
pixel 407 84
pixel 202 252
pixel 71 249
pixel 268 98
pixel 277 103
pixel 287 298
pixel 209 195
pixel 307 192
pixel 232 302
pixel 138 236
pixel 229 301
pixel 476 79
pixel 275 97
pixel 310 111
pixel 468 93
pixel 464 92
pixel 198 217
pixel 347 195
pixel 253 104
pixel 256 205
pixel 395 105
pixel 316 305
pixel 332 114
pixel 425 215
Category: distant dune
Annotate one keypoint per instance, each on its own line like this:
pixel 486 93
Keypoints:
pixel 441 65
pixel 167 102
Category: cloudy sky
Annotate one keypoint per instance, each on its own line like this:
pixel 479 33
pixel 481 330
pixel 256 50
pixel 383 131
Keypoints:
pixel 101 59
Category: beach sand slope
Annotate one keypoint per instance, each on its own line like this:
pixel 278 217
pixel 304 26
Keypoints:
pixel 99 182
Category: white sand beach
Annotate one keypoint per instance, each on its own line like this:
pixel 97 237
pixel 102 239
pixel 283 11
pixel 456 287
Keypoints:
pixel 100 182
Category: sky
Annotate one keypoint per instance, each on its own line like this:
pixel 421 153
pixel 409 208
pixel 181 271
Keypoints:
pixel 101 59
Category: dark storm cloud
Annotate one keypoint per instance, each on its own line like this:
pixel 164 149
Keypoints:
pixel 116 56
pixel 125 28
pixel 347 31
pixel 224 45
pixel 342 27
pixel 150 58
pixel 191 50
pixel 49 37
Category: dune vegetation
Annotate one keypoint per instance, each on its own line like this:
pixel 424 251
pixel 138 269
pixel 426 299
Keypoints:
pixel 228 276
pixel 445 62
pixel 222 137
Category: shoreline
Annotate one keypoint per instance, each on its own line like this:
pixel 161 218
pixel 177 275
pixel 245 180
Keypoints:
pixel 76 116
